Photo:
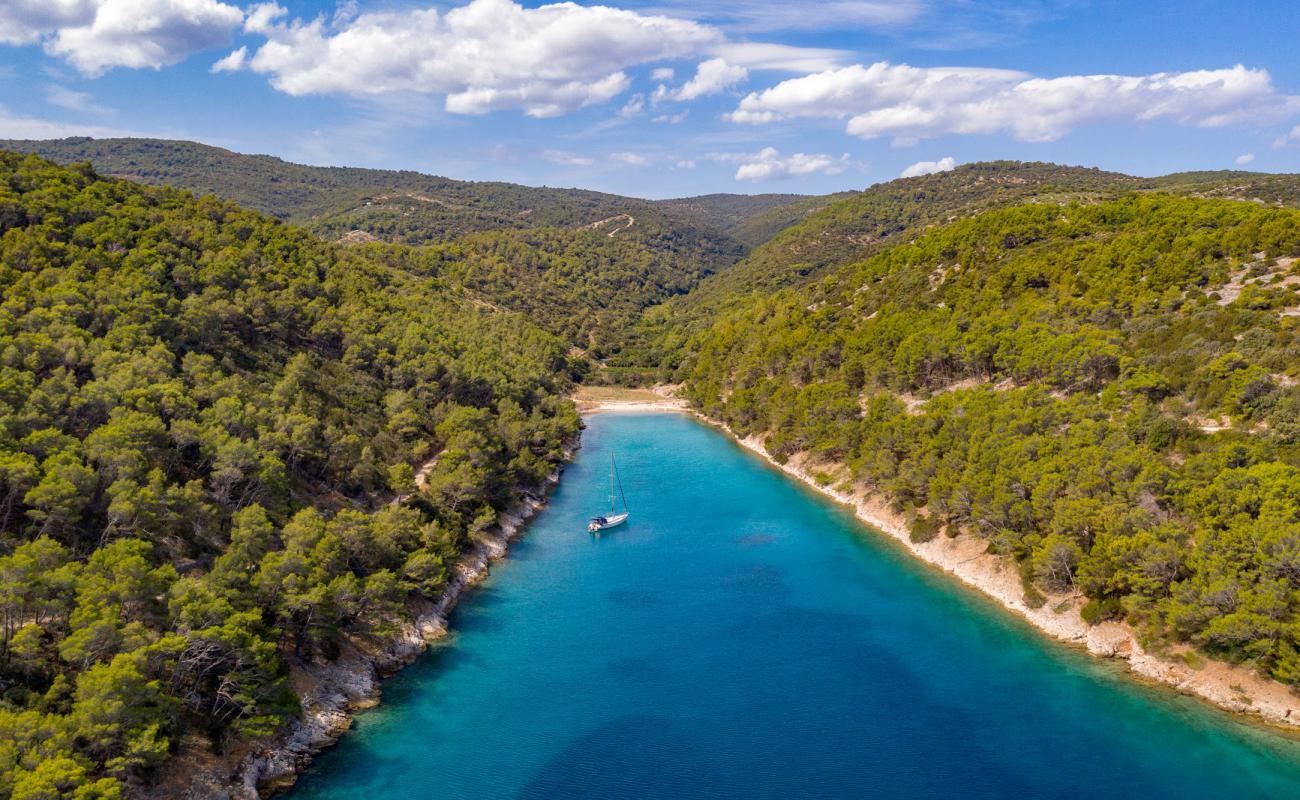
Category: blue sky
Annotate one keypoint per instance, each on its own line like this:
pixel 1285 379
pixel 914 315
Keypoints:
pixel 674 97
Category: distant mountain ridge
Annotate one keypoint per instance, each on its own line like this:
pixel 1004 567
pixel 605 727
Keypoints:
pixel 397 205
pixel 855 227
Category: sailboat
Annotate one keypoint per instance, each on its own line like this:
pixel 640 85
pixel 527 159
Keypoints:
pixel 613 518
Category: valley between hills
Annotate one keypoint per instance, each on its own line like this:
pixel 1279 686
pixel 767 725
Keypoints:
pixel 264 422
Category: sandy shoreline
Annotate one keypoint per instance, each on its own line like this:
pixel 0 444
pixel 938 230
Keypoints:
pixel 609 399
pixel 634 407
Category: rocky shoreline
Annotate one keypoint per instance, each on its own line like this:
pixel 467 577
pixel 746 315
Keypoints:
pixel 1232 688
pixel 331 692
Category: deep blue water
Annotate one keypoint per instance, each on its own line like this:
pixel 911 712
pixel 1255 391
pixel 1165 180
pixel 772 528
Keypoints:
pixel 742 638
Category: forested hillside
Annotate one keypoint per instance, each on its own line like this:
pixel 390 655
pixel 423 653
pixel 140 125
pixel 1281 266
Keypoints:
pixel 862 223
pixel 211 422
pixel 583 264
pixel 210 426
pixel 749 219
pixel 886 214
pixel 401 205
pixel 1257 187
pixel 305 194
pixel 587 286
pixel 1107 392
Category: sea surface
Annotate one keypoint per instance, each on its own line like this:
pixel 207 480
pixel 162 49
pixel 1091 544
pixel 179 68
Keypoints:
pixel 741 637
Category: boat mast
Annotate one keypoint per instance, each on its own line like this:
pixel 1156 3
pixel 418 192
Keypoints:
pixel 614 473
pixel 612 508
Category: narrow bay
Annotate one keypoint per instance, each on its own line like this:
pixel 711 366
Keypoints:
pixel 741 637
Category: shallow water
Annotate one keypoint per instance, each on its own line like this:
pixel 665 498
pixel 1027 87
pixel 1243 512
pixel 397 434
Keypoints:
pixel 741 637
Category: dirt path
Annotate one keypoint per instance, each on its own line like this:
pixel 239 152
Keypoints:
pixel 631 220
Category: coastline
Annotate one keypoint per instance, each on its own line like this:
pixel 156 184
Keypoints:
pixel 1231 688
pixel 332 692
pixel 607 399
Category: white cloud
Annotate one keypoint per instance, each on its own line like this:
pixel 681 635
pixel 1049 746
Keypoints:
pixel 673 119
pixel 769 164
pixel 27 21
pixel 918 103
pixel 1283 141
pixel 635 105
pixel 711 77
pixel 484 56
pixel 662 74
pixel 929 167
pixel 19 127
pixel 567 159
pixel 685 163
pixel 1244 159
pixel 766 15
pixel 262 16
pixel 782 57
pixel 630 159
pixel 138 33
pixel 232 62
pixel 64 97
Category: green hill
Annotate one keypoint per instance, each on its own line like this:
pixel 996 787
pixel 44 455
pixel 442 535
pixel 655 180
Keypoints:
pixel 854 226
pixel 583 264
pixel 393 205
pixel 886 214
pixel 1106 392
pixel 1257 187
pixel 206 418
pixel 306 195
pixel 748 218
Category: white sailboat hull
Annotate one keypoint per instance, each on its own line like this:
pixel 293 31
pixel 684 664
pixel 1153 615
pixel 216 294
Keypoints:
pixel 606 522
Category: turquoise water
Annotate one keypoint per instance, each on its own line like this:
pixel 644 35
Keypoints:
pixel 742 638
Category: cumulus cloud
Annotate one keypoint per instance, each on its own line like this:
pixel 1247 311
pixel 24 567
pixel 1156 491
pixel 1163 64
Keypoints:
pixel 769 164
pixel 233 62
pixel 662 74
pixel 1244 159
pixel 28 21
pixel 98 35
pixel 711 77
pixel 484 56
pixel 929 167
pixel 911 103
